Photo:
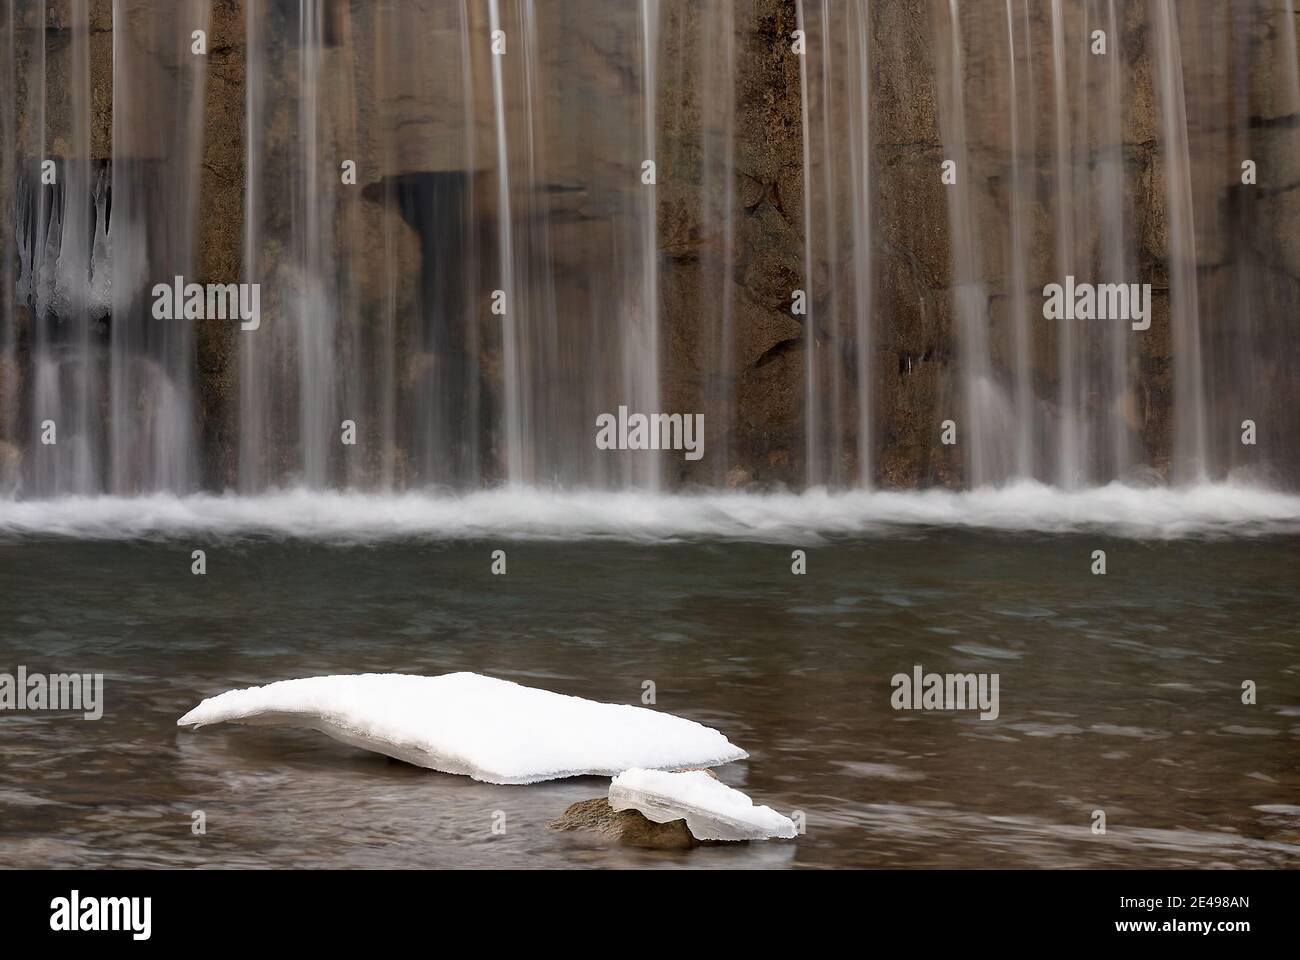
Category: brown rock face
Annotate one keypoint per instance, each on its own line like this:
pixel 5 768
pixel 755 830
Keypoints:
pixel 1248 274
pixel 732 234
pixel 732 347
pixel 11 459
pixel 221 216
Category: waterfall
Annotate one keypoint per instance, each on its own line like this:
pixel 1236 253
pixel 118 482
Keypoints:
pixel 9 388
pixel 314 304
pixel 73 282
pixel 542 341
pixel 1116 263
pixel 471 414
pixel 641 356
pixel 34 275
pixel 984 415
pixel 1024 413
pixel 812 419
pixel 253 369
pixel 1189 449
pixel 158 88
pixel 1069 466
pixel 838 237
pixel 514 410
pixel 828 377
pixel 859 110
pixel 463 261
pixel 716 49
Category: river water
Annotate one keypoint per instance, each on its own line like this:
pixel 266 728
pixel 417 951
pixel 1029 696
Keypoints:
pixel 1120 693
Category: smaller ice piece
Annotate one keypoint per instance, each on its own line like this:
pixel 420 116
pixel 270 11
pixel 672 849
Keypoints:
pixel 482 727
pixel 712 810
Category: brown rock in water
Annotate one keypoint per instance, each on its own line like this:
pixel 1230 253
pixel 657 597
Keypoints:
pixel 625 826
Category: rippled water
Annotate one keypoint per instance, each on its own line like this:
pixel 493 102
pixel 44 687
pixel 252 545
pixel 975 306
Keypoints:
pixel 1119 692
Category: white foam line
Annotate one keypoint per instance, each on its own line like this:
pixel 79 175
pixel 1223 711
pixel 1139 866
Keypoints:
pixel 526 513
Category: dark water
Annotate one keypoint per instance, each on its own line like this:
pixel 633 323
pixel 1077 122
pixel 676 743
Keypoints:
pixel 1119 692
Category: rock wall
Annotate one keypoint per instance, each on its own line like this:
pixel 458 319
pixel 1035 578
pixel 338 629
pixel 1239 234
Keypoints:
pixel 750 376
pixel 1243 234
pixel 221 224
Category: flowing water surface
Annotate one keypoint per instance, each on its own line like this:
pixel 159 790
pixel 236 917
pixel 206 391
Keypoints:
pixel 1120 693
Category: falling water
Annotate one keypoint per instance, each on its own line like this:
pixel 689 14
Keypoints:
pixel 521 172
pixel 9 390
pixel 1116 265
pixel 828 376
pixel 514 414
pixel 420 416
pixel 472 411
pixel 859 96
pixel 80 225
pixel 641 356
pixel 35 275
pixel 253 433
pixel 812 420
pixel 542 341
pixel 983 417
pixel 1069 465
pixel 352 336
pixel 716 50
pixel 1024 462
pixel 158 86
pixel 1086 335
pixel 314 307
pixel 838 237
pixel 1189 398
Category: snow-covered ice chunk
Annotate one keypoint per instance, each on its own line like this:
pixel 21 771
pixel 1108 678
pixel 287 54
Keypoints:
pixel 712 810
pixel 465 723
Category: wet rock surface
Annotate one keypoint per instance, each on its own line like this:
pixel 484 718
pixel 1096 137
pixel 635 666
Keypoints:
pixel 624 826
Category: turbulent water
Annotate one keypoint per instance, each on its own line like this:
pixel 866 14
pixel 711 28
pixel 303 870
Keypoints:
pixel 1119 692
pixel 526 513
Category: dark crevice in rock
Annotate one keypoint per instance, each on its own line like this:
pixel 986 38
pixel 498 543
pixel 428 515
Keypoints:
pixel 776 351
pixel 1284 122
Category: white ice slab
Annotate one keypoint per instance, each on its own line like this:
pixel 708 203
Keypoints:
pixel 488 729
pixel 712 810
